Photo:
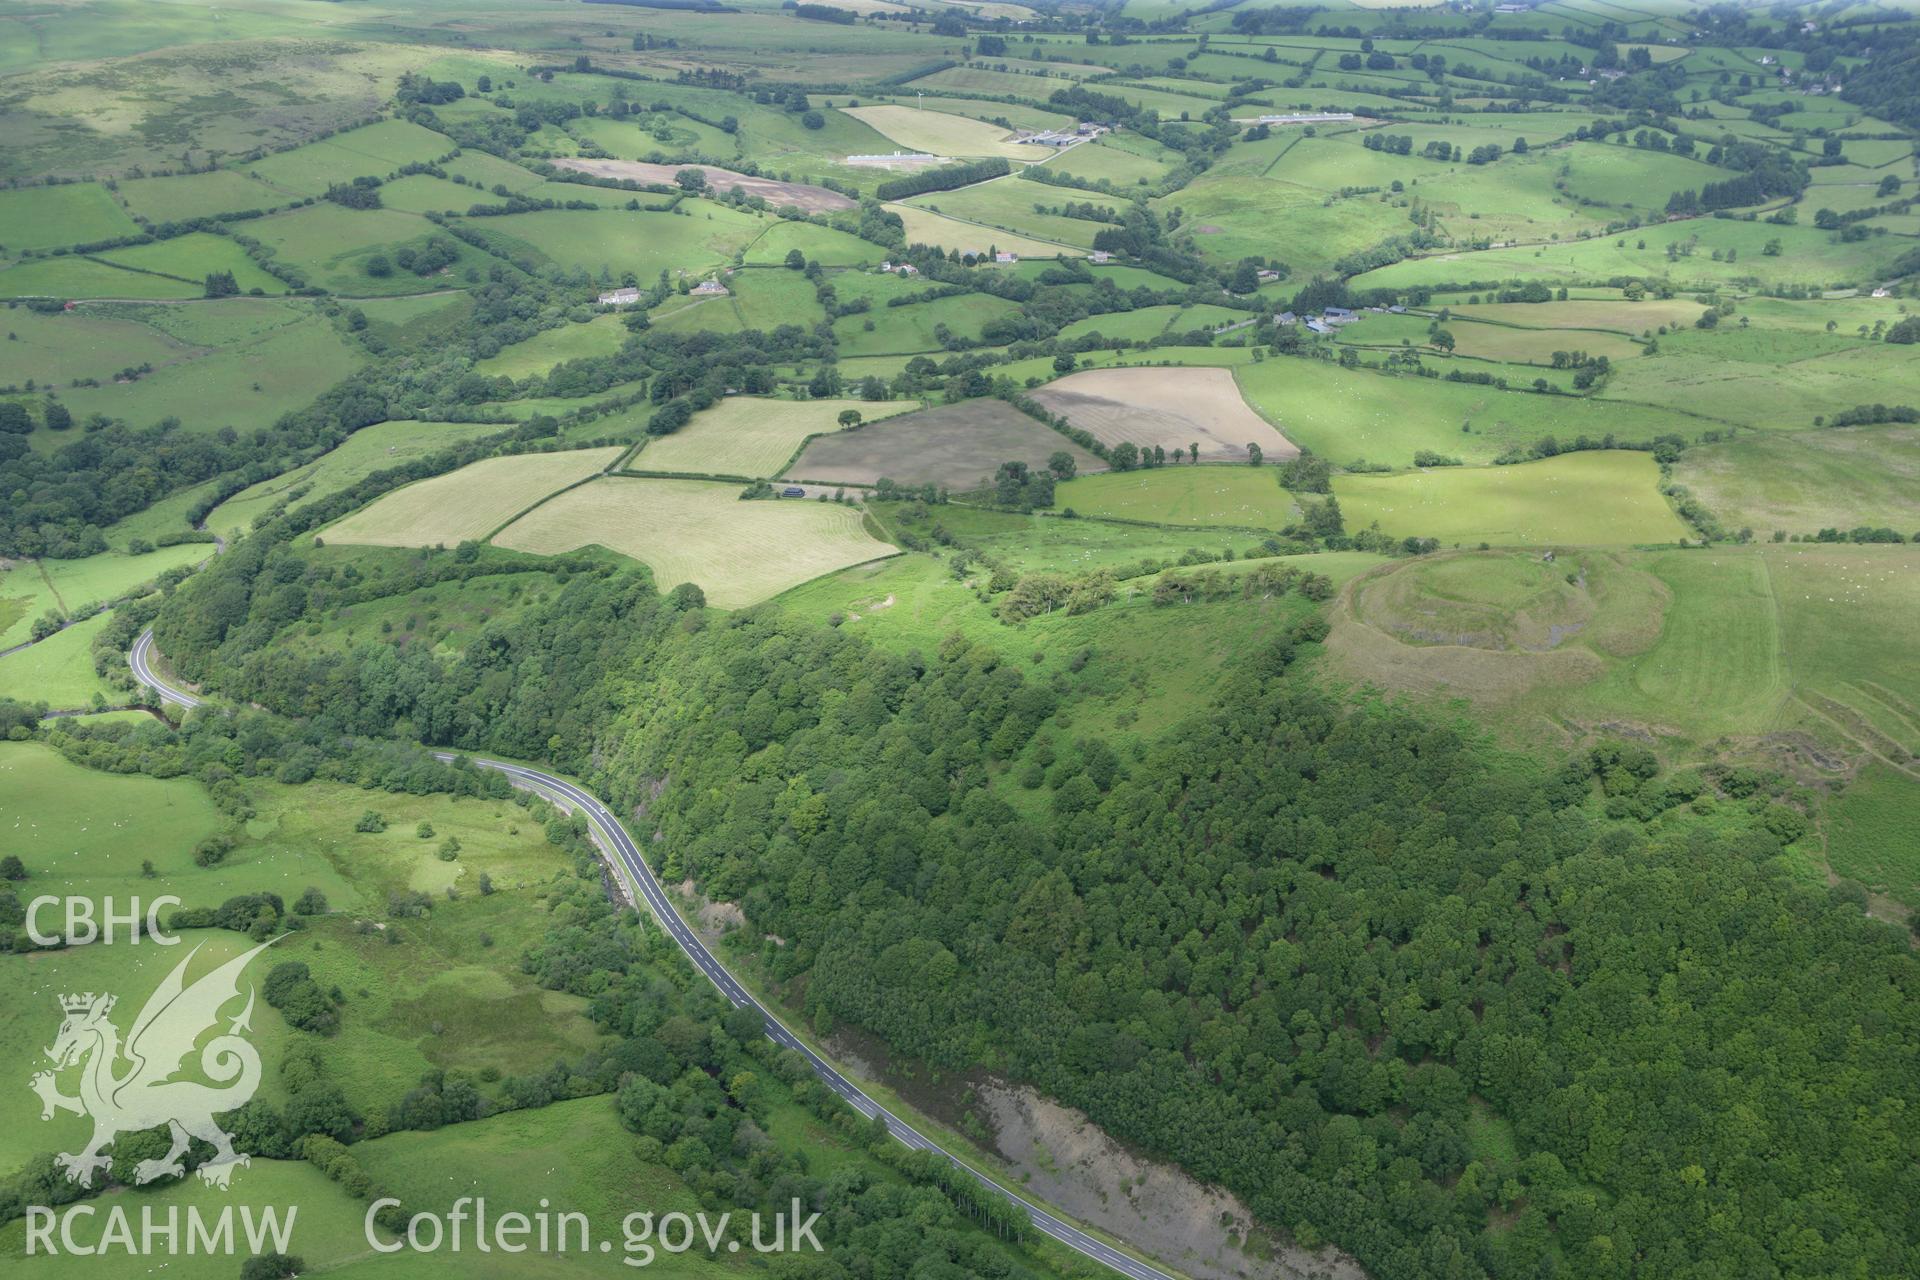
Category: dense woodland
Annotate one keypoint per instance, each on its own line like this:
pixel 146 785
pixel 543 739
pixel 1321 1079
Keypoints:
pixel 1314 952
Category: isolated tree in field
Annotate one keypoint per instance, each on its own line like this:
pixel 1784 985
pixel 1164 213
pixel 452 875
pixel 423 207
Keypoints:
pixel 1064 362
pixel 1193 451
pixel 849 417
pixel 796 260
pixel 1062 465
pixel 1443 339
pixel 1124 456
pixel 691 179
pixel 378 266
pixel 58 417
pixel 1323 519
pixel 1254 455
pixel 813 120
pixel 219 284
pixel 11 868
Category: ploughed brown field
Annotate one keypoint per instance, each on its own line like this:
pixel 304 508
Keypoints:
pixel 1172 408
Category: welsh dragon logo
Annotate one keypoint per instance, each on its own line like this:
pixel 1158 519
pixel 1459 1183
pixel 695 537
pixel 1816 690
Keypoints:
pixel 145 1095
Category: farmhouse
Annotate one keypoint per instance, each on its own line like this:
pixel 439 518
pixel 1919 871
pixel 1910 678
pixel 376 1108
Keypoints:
pixel 901 268
pixel 1099 255
pixel 1005 255
pixel 620 298
pixel 709 289
pixel 1286 317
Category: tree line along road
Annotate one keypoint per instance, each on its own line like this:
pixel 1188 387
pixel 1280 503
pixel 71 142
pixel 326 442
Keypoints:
pixel 613 837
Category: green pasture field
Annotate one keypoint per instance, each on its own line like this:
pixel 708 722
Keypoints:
pixel 1593 498
pixel 331 246
pixel 768 298
pixel 469 503
pixel 375 150
pixel 1235 497
pixel 751 435
pixel 694 531
pixel 956 446
pixel 1641 318
pixel 193 258
pixel 690 243
pixel 1020 115
pixel 370 449
pixel 1235 216
pixel 165 518
pixel 1808 257
pixel 58 670
pixel 1844 614
pixel 1871 831
pixel 29 588
pixel 424 193
pixel 1146 322
pixel 453 997
pixel 1629 177
pixel 1049 543
pixel 904 330
pixel 1007 204
pixel 923 227
pixel 197 195
pixel 256 359
pixel 824 245
pixel 1345 414
pixel 1514 199
pixel 940 134
pixel 600 336
pixel 1038 370
pixel 49 217
pixel 962 81
pixel 631 140
pixel 1532 346
pixel 328 1230
pixel 1171 106
pixel 222 83
pixel 1767 378
pixel 53 349
pixel 875 286
pixel 697 315
pixel 1185 86
pixel 1847 315
pixel 491 171
pixel 77 277
pixel 1125 161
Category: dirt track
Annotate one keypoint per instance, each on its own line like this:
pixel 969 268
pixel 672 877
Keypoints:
pixel 807 198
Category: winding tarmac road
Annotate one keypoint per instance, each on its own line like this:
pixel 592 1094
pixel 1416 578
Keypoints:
pixel 614 838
